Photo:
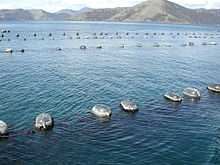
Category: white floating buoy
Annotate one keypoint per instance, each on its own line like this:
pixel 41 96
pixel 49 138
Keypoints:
pixel 156 45
pixel 83 47
pixel 128 106
pixel 3 128
pixel 173 97
pixel 192 93
pixel 101 110
pixel 99 47
pixel 212 43
pixel 214 88
pixel 8 50
pixel 44 121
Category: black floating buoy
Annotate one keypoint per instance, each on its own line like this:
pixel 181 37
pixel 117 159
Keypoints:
pixel 22 50
pixel 58 49
pixel 4 31
pixel 50 34
pixel 99 47
pixel 17 35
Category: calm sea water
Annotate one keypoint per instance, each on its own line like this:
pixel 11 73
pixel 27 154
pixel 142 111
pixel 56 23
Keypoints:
pixel 68 83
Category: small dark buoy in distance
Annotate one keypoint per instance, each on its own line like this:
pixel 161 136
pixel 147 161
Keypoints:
pixel 83 47
pixel 122 46
pixel 99 47
pixel 8 50
pixel 191 44
pixel 4 31
pixel 58 49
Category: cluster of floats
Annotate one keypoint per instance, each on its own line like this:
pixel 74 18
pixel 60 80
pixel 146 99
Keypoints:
pixel 45 121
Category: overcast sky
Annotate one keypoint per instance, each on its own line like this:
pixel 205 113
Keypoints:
pixel 55 5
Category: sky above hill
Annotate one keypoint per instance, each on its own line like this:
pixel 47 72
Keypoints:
pixel 55 5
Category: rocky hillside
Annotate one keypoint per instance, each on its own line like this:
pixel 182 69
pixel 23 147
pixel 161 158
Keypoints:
pixel 161 11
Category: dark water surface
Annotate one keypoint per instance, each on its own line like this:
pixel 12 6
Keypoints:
pixel 68 83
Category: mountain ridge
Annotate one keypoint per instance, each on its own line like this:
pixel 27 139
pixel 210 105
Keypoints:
pixel 162 11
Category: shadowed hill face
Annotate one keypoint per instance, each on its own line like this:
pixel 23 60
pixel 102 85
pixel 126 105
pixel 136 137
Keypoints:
pixel 152 10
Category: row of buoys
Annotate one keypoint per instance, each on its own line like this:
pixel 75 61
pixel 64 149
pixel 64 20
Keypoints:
pixel 191 93
pixel 190 35
pixel 44 121
pixel 102 110
pixel 156 45
pixel 9 50
pixel 5 31
pixel 107 37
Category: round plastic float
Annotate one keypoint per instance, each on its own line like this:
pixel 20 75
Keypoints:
pixel 172 96
pixel 8 50
pixel 44 121
pixel 3 128
pixel 83 47
pixel 101 110
pixel 128 106
pixel 214 88
pixel 192 93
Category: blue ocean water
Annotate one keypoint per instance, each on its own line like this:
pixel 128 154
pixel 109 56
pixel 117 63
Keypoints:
pixel 68 83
